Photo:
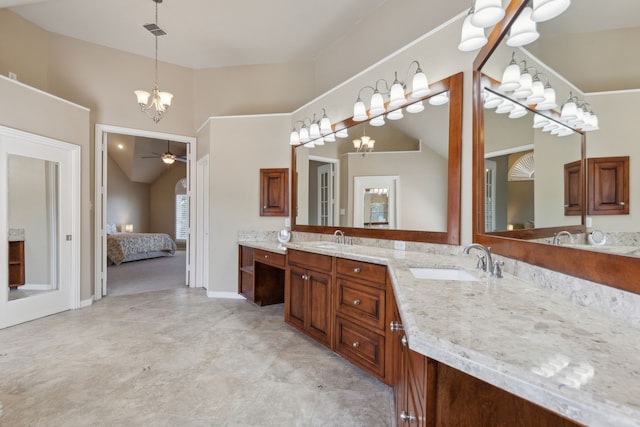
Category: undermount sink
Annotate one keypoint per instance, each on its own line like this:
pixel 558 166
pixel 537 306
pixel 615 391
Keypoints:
pixel 444 273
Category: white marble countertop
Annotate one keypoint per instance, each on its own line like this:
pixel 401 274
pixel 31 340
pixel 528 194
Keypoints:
pixel 265 245
pixel 527 340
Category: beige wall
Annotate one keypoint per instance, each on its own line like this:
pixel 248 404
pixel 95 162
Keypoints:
pixel 239 148
pixel 618 136
pixel 163 200
pixel 35 112
pixel 127 201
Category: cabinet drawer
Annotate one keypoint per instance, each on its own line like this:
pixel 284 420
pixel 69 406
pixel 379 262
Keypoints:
pixel 308 259
pixel 366 271
pixel 361 346
pixel 277 260
pixel 361 302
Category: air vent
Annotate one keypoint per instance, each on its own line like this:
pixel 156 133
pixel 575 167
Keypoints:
pixel 155 30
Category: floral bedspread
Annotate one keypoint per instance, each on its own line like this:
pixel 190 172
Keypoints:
pixel 122 245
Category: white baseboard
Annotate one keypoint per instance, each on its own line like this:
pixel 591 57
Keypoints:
pixel 224 295
pixel 86 303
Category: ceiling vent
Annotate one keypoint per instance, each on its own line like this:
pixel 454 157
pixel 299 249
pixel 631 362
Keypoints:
pixel 155 30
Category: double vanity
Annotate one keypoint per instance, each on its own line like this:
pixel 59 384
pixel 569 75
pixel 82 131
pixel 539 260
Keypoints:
pixel 461 350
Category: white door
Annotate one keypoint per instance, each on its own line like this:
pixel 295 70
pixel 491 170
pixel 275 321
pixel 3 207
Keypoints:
pixel 40 199
pixel 325 194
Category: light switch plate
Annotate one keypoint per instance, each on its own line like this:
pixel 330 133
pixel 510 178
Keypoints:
pixel 287 222
pixel 399 245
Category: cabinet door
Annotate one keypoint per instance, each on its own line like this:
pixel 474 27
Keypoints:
pixel 274 192
pixel 608 186
pixel 573 188
pixel 295 301
pixel 319 307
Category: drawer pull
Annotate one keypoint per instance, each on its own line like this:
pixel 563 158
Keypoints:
pixel 305 277
pixel 404 417
pixel 266 256
pixel 356 270
pixel 396 326
pixel 356 302
pixel 404 340
pixel 356 344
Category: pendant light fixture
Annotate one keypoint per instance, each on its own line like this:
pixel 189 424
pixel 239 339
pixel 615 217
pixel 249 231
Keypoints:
pixel 364 144
pixel 156 103
pixel 544 10
pixel 472 37
pixel 511 76
pixel 524 29
pixel 487 13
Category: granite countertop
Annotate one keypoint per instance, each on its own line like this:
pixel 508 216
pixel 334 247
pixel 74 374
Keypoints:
pixel 16 234
pixel 265 245
pixel 525 339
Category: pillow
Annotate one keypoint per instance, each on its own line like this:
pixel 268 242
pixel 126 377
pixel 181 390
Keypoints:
pixel 111 229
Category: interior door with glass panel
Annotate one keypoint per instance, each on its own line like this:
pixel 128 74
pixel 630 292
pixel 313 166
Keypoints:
pixel 39 192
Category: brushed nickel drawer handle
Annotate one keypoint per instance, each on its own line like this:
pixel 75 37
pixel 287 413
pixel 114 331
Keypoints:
pixel 305 277
pixel 356 302
pixel 404 340
pixel 266 256
pixel 356 344
pixel 356 270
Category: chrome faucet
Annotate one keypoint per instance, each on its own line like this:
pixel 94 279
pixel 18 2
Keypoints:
pixel 556 237
pixel 338 237
pixel 494 268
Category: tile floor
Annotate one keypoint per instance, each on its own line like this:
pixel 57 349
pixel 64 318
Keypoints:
pixel 177 358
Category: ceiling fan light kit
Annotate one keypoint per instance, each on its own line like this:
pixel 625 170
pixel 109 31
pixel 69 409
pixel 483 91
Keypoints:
pixel 167 157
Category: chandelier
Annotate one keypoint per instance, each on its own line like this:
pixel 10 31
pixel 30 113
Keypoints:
pixel 156 103
pixel 364 144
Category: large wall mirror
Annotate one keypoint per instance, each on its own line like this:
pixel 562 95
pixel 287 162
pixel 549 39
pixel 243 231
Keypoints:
pixel 405 187
pixel 522 187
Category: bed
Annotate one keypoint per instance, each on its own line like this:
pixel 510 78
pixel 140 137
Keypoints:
pixel 125 247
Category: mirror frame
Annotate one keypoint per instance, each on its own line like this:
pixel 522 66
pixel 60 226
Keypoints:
pixel 454 85
pixel 613 270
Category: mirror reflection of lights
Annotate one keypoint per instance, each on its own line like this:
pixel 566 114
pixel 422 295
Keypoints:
pixel 383 191
pixel 560 368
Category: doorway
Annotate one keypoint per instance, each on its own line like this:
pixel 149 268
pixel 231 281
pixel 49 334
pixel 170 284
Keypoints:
pixel 102 134
pixel 41 196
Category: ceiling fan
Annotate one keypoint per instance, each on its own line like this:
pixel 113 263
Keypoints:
pixel 168 157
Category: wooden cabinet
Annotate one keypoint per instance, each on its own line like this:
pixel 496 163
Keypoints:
pixel 413 380
pixel 274 192
pixel 16 264
pixel 573 193
pixel 608 186
pixel 261 275
pixel 360 306
pixel 308 291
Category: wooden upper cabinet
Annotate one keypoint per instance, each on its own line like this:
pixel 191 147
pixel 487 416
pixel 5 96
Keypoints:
pixel 573 188
pixel 274 192
pixel 608 186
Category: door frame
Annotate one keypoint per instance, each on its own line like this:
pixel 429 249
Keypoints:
pixel 335 181
pixel 100 205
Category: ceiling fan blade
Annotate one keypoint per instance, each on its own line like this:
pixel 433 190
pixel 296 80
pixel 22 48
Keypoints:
pixel 181 159
pixel 150 157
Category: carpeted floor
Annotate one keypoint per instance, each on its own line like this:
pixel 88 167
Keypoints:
pixel 147 275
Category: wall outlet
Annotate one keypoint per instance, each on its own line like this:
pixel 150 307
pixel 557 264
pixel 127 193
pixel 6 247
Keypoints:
pixel 589 222
pixel 287 222
pixel 13 76
pixel 399 245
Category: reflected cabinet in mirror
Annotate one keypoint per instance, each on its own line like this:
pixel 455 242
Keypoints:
pixel 532 186
pixel 399 180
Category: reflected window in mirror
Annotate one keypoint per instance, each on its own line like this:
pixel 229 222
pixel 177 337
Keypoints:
pixel 417 144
